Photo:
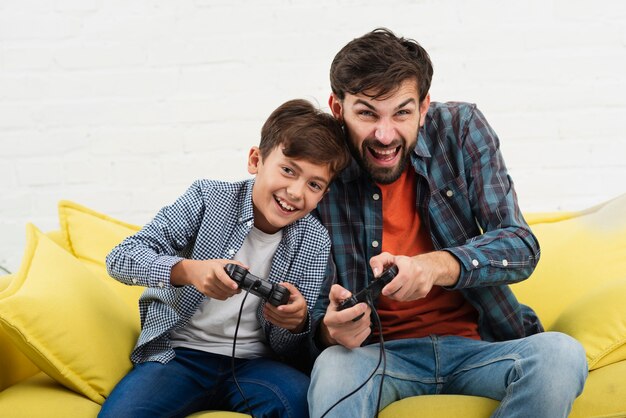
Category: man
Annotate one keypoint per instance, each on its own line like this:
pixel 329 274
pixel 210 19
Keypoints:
pixel 428 191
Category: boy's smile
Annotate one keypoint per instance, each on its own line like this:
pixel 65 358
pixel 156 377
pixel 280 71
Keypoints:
pixel 285 189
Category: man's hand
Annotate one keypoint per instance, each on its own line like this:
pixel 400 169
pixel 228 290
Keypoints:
pixel 338 327
pixel 417 275
pixel 208 276
pixel 291 316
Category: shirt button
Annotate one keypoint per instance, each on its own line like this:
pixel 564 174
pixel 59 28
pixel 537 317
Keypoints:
pixel 231 252
pixel 135 281
pixel 249 223
pixel 449 193
pixel 475 263
pixel 375 244
pixel 375 196
pixel 160 284
pixel 240 220
pixel 505 262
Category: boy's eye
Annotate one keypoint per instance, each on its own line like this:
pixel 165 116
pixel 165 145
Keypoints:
pixel 316 186
pixel 287 170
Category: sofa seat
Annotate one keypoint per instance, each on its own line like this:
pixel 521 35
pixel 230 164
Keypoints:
pixel 67 328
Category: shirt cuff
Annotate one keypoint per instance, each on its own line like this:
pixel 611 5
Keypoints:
pixel 160 271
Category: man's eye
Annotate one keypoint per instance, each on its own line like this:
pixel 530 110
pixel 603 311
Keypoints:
pixel 366 113
pixel 403 112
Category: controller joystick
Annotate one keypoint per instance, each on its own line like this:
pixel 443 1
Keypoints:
pixel 275 294
pixel 371 292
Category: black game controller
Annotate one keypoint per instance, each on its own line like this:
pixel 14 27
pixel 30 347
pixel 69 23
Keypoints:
pixel 274 293
pixel 371 292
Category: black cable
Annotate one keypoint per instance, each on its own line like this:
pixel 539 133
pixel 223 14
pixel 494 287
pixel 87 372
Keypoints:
pixel 232 358
pixel 382 358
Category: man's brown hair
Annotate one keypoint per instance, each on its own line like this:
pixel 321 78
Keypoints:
pixel 307 133
pixel 377 63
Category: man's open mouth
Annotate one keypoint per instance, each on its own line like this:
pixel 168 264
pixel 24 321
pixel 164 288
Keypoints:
pixel 384 154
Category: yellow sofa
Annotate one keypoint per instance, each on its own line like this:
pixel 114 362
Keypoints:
pixel 66 328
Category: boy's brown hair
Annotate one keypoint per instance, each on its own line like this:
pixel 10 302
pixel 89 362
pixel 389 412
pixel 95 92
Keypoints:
pixel 307 133
pixel 377 63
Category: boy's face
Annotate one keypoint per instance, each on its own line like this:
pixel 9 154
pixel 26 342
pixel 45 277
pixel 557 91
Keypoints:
pixel 285 189
pixel 382 132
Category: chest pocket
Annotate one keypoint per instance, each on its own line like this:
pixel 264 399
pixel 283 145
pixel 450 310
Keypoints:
pixel 450 208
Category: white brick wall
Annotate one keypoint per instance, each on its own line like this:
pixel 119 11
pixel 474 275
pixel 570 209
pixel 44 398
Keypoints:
pixel 119 105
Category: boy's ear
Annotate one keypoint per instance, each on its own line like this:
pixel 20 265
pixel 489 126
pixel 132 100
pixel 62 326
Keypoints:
pixel 335 107
pixel 254 159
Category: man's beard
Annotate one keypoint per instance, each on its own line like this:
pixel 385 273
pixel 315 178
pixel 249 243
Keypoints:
pixel 381 175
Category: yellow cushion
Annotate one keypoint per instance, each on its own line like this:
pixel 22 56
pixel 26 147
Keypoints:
pixel 90 236
pixel 14 366
pixel 66 321
pixel 578 254
pixel 598 321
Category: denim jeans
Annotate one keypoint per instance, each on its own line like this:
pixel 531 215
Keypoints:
pixel 196 381
pixel 537 376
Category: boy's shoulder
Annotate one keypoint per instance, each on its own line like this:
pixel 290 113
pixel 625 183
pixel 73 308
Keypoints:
pixel 220 185
pixel 310 228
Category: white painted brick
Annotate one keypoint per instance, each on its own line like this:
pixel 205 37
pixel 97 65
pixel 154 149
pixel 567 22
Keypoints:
pixel 39 172
pixel 120 105
pixel 21 58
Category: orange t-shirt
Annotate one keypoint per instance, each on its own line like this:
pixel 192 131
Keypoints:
pixel 441 312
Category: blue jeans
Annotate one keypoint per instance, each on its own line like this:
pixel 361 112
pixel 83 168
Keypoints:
pixel 196 381
pixel 537 376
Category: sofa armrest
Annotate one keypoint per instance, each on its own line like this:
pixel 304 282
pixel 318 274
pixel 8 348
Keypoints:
pixel 598 321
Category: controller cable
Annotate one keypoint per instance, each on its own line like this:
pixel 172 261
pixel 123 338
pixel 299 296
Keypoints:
pixel 232 358
pixel 382 358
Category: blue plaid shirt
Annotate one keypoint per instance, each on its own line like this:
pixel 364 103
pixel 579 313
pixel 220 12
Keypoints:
pixel 211 221
pixel 467 200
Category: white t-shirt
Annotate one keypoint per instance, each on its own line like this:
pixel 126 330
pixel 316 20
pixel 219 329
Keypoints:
pixel 212 327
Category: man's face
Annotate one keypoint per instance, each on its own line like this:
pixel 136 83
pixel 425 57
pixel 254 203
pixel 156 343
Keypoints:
pixel 382 132
pixel 285 189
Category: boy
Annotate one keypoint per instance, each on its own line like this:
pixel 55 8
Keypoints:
pixel 189 312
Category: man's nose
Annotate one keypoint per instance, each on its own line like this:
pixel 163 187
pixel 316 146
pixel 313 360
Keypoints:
pixel 384 132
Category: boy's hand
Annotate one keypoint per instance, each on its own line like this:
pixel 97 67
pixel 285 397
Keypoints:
pixel 338 327
pixel 291 316
pixel 208 276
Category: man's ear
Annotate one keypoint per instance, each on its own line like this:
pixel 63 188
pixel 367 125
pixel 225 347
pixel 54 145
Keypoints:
pixel 254 159
pixel 424 109
pixel 335 107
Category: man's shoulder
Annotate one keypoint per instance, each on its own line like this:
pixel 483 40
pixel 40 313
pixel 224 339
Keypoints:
pixel 450 110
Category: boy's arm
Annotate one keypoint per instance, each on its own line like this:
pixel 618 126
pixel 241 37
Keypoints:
pixel 281 340
pixel 147 257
